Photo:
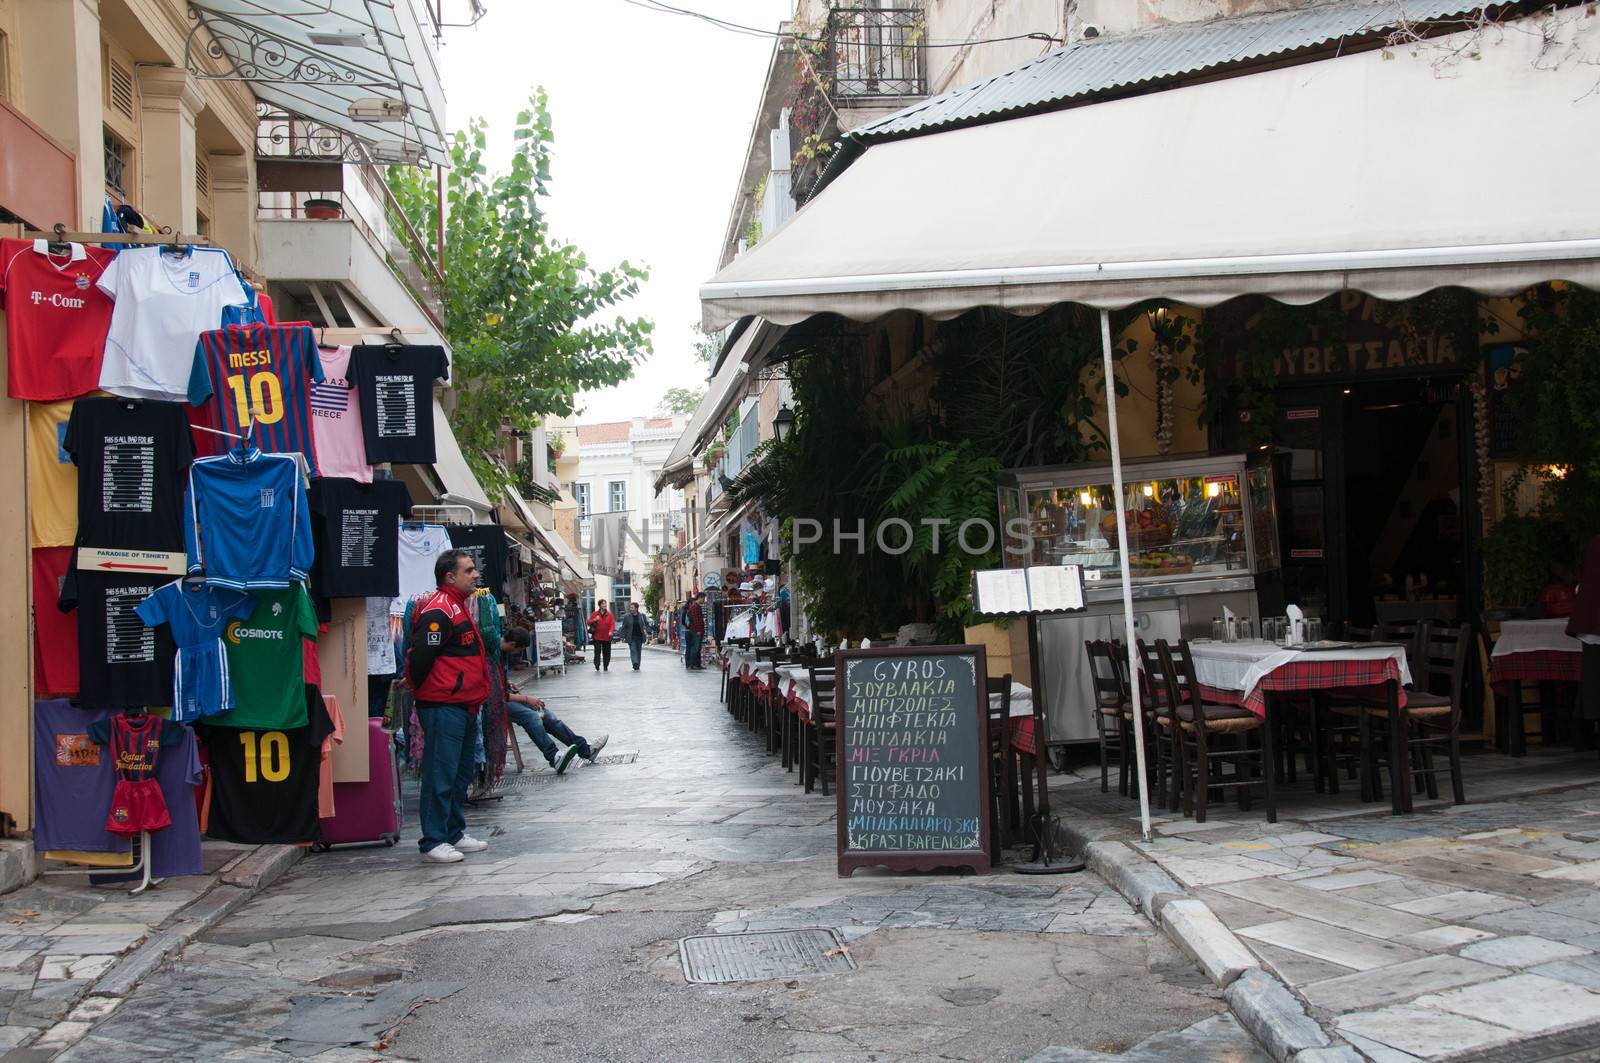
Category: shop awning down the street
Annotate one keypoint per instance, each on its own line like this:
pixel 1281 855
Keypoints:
pixel 1342 179
pixel 1293 183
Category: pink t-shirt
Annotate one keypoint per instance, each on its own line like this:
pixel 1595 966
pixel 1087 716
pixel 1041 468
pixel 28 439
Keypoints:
pixel 336 420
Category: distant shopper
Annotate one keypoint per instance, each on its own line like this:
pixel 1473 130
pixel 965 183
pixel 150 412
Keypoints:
pixel 542 725
pixel 602 626
pixel 635 629
pixel 696 623
pixel 449 675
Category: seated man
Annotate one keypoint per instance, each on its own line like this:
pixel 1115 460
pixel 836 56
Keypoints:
pixel 541 724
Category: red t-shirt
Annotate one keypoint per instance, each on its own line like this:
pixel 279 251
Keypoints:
pixel 56 319
pixel 55 645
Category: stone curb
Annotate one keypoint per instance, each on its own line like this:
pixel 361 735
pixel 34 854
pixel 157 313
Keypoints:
pixel 19 864
pixel 1258 998
pixel 237 883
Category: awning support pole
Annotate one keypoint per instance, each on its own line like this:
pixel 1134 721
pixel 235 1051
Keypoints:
pixel 1127 581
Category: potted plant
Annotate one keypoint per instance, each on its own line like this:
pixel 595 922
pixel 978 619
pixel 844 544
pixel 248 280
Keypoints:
pixel 714 454
pixel 323 209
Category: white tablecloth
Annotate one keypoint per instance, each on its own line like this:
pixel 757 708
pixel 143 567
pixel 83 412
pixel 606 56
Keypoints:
pixel 1535 636
pixel 1241 666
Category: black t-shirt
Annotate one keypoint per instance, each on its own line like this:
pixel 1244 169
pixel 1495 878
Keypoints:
pixel 357 531
pixel 121 662
pixel 395 385
pixel 264 783
pixel 133 456
pixel 487 545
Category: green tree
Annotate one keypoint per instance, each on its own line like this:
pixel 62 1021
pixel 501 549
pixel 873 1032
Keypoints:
pixel 531 322
pixel 680 400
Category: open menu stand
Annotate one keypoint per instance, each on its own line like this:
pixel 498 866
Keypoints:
pixel 1028 593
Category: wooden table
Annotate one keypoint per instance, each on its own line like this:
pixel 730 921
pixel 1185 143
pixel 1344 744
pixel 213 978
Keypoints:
pixel 1262 676
pixel 1531 650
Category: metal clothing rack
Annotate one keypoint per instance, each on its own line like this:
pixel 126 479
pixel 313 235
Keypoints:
pixel 470 512
pixel 141 866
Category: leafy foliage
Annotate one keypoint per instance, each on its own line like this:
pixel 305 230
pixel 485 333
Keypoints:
pixel 531 322
pixel 680 400
pixel 1557 403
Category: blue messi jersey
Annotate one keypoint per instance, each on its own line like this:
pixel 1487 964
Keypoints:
pixel 261 374
pixel 246 523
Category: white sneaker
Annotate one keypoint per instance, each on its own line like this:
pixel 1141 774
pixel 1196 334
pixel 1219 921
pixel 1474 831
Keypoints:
pixel 596 746
pixel 468 844
pixel 443 853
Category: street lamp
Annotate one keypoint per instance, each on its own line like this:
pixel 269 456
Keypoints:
pixel 783 424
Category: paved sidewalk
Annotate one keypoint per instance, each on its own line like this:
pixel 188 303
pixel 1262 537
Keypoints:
pixel 1447 932
pixel 561 942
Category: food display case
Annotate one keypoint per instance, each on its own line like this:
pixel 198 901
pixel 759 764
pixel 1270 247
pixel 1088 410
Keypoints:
pixel 1201 531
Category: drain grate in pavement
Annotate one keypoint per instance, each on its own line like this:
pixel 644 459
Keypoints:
pixel 542 776
pixel 762 954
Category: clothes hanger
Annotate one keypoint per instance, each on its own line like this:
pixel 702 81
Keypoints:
pixel 60 245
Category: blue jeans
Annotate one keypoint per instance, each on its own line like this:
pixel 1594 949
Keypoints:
pixel 691 657
pixel 635 652
pixel 447 769
pixel 541 725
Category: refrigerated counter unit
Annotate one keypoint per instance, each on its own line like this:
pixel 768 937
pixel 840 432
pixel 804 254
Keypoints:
pixel 1202 533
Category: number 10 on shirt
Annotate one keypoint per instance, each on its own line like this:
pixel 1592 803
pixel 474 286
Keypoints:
pixel 273 757
pixel 265 398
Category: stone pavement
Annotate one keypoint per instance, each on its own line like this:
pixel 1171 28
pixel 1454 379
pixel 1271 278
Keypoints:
pixel 1452 931
pixel 560 942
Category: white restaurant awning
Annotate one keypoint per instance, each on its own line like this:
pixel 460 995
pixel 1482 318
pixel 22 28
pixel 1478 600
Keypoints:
pixel 363 67
pixel 461 486
pixel 1389 175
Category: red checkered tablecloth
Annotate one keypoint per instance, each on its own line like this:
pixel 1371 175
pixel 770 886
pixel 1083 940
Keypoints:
pixel 1023 737
pixel 1558 665
pixel 1309 674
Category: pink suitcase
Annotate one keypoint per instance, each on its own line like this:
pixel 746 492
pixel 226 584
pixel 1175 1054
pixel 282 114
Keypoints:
pixel 367 812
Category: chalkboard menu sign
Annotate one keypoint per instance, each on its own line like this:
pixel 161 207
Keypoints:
pixel 913 746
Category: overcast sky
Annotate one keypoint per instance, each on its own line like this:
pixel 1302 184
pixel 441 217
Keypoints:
pixel 652 115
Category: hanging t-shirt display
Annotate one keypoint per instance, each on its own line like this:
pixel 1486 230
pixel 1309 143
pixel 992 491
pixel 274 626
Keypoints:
pixel 56 318
pixel 420 546
pixel 336 419
pixel 132 456
pixel 266 662
pixel 163 303
pixel 175 850
pixel 395 383
pixel 357 529
pixel 121 660
pixel 260 375
pixel 264 781
pixel 197 614
pixel 72 780
pixel 55 638
pixel 246 523
pixel 380 638
pixel 487 545
pixel 52 478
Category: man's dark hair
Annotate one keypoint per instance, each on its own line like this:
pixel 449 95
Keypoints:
pixel 517 636
pixel 446 564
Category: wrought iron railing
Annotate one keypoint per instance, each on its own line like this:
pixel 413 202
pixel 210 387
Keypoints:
pixel 875 52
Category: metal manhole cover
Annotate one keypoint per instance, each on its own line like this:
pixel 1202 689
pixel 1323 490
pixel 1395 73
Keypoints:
pixel 762 954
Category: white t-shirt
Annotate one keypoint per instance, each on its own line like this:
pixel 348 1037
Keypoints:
pixel 380 641
pixel 162 304
pixel 419 549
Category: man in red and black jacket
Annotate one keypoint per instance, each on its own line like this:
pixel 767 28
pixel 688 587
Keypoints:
pixel 449 676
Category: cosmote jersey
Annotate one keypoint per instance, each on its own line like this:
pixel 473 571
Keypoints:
pixel 266 660
pixel 260 375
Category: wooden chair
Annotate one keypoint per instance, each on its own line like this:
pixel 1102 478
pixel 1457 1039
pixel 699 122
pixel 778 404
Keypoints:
pixel 1432 712
pixel 1001 780
pixel 1407 633
pixel 1202 730
pixel 1158 705
pixel 1113 715
pixel 818 749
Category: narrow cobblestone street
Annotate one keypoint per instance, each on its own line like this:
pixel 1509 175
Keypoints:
pixel 561 941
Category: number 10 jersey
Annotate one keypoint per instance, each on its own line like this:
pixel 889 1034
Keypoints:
pixel 260 375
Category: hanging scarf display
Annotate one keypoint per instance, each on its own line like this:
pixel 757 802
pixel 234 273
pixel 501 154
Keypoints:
pixel 136 804
pixel 493 716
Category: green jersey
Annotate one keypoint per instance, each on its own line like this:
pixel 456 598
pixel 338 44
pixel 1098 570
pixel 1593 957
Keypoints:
pixel 266 661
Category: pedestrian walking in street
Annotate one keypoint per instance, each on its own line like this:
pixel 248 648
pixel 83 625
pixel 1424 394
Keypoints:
pixel 697 631
pixel 542 725
pixel 602 626
pixel 449 675
pixel 634 632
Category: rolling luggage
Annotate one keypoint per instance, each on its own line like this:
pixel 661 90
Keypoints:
pixel 367 812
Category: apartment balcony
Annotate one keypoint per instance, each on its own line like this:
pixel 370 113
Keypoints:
pixel 871 66
pixel 327 217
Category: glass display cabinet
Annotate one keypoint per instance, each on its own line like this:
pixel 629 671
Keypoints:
pixel 1201 530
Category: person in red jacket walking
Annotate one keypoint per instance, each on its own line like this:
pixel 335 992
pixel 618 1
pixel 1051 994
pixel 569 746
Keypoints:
pixel 449 676
pixel 602 626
